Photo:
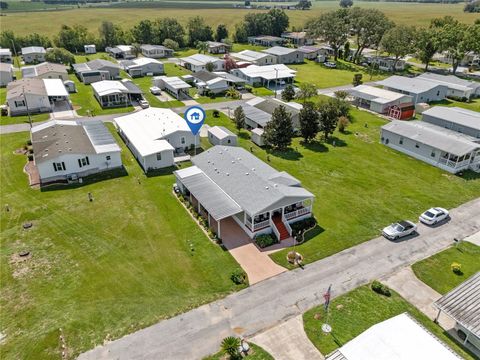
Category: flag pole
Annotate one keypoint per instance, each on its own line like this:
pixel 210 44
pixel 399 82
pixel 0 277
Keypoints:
pixel 326 328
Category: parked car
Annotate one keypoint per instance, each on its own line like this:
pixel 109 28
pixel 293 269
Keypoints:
pixel 433 216
pixel 155 90
pixel 143 103
pixel 399 229
pixel 330 65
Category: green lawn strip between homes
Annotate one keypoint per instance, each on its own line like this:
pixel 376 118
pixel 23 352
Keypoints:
pixel 353 313
pixel 98 270
pixel 436 272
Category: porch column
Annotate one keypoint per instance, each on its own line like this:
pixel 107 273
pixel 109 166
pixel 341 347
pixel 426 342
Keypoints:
pixel 219 232
pixel 208 220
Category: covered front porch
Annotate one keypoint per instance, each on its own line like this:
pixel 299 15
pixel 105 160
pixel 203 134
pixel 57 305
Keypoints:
pixel 454 163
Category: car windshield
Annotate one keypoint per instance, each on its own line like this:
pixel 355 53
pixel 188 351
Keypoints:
pixel 429 214
pixel 397 227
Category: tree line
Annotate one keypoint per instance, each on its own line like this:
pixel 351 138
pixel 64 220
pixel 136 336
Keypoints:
pixel 370 28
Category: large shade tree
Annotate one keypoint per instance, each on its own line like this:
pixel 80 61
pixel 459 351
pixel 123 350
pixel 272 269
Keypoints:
pixel 398 42
pixel 308 119
pixel 279 130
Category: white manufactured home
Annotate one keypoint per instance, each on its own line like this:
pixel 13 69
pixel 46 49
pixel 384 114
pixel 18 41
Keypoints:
pixel 6 74
pixel 142 67
pixel 422 91
pixel 270 76
pixel 33 54
pixel 254 57
pixel 443 148
pixel 172 85
pixel 96 70
pixel 155 136
pixel 284 55
pixel 198 62
pixel 45 70
pixel 229 183
pixel 454 118
pixel 457 88
pixel 156 51
pixel 68 150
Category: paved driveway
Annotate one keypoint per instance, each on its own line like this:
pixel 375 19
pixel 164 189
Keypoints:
pixel 288 341
pixel 198 333
pixel 256 264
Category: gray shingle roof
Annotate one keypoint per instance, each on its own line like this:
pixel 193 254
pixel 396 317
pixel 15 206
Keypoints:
pixel 247 180
pixel 463 304
pixel 259 116
pixel 432 135
pixel 412 85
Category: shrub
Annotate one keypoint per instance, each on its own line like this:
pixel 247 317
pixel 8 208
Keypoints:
pixel 238 276
pixel 381 289
pixel 29 142
pixel 216 113
pixel 265 240
pixel 30 157
pixel 302 225
pixel 343 122
pixel 456 268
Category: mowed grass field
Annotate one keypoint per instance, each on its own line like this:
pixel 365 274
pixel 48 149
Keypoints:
pixel 48 22
pixel 97 270
pixel 360 185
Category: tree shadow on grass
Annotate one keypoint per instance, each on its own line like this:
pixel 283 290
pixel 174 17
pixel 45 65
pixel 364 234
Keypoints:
pixel 244 135
pixel 288 154
pixel 86 180
pixel 334 141
pixel 316 146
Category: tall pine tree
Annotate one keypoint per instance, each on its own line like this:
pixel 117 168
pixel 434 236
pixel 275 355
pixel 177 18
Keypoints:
pixel 239 118
pixel 308 119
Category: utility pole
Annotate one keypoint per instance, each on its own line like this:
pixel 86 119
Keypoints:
pixel 276 82
pixel 15 52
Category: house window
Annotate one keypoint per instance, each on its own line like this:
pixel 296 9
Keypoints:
pixel 432 154
pixel 401 141
pixel 108 157
pixel 387 141
pixel 183 140
pixel 159 156
pixel 83 162
pixel 417 146
pixel 19 103
pixel 228 141
pixel 60 166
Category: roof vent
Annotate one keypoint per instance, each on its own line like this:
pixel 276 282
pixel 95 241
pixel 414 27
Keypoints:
pixel 266 187
pixel 246 173
pixel 253 169
pixel 233 161
pixel 228 174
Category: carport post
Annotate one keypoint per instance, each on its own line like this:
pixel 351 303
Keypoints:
pixel 438 315
pixel 219 233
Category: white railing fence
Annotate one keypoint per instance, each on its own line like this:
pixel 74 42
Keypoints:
pixel 275 230
pixel 287 225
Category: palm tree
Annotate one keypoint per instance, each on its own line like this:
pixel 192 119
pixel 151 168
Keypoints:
pixel 230 347
pixel 232 93
pixel 202 46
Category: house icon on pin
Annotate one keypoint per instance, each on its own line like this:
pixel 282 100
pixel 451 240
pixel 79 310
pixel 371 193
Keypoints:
pixel 195 116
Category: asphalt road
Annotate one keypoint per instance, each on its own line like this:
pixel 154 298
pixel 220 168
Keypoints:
pixel 198 333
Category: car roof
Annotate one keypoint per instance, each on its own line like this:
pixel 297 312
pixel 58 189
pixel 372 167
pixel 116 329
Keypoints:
pixel 405 223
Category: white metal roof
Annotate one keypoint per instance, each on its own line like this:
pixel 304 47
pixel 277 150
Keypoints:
pixel 200 59
pixel 398 338
pixel 455 115
pixel 279 50
pixel 411 85
pixel 432 135
pixel 268 72
pixel 139 62
pixel 4 52
pixel 220 132
pixel 55 87
pixel 109 87
pixel 463 304
pixel 147 129
pixel 249 55
pixel 174 82
pixel 451 81
pixel 375 94
pixel 33 50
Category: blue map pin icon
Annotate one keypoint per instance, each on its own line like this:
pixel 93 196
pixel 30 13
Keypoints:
pixel 195 117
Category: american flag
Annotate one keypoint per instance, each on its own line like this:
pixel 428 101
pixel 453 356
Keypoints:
pixel 327 296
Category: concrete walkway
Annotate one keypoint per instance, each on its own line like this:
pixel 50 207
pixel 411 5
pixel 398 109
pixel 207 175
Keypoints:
pixel 198 333
pixel 418 294
pixel 255 263
pixel 474 239
pixel 288 341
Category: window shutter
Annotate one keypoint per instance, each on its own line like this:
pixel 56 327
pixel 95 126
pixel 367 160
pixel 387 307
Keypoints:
pixel 79 163
pixel 88 162
pixel 55 166
pixel 63 165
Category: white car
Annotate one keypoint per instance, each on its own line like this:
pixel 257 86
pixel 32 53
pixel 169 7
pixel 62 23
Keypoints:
pixel 143 104
pixel 433 216
pixel 155 90
pixel 399 229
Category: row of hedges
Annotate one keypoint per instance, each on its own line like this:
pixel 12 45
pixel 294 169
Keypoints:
pixel 301 226
pixel 265 240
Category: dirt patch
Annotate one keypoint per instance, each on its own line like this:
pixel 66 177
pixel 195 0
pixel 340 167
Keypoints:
pixel 33 176
pixel 20 151
pixel 238 330
pixel 364 137
pixel 28 265
pixel 317 316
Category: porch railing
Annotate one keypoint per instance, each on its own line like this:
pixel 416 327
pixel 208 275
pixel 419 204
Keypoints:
pixel 287 225
pixel 261 225
pixel 297 213
pixel 275 230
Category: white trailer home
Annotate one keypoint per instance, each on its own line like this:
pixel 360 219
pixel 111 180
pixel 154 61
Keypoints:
pixel 66 149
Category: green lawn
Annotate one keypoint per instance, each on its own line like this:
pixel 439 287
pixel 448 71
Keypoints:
pixel 8 120
pixel 260 91
pixel 323 77
pixel 175 70
pixel 432 63
pixel 99 55
pixel 360 185
pixel 240 47
pixel 100 269
pixel 435 271
pixel 358 310
pixel 255 353
pixel 84 100
pixel 474 104
pixel 206 99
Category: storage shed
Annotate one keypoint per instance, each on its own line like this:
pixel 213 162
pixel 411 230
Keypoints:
pixel 220 135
